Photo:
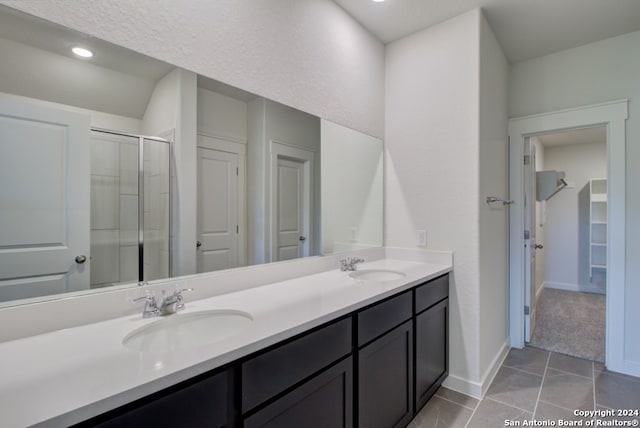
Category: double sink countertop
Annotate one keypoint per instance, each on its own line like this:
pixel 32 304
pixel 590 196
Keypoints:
pixel 67 376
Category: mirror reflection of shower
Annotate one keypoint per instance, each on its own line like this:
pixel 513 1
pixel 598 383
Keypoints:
pixel 130 208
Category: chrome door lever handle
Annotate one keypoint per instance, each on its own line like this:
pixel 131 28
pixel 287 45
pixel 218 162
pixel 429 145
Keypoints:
pixel 81 259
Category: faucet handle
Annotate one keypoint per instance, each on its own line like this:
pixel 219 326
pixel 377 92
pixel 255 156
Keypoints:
pixel 177 294
pixel 179 291
pixel 150 306
pixel 148 297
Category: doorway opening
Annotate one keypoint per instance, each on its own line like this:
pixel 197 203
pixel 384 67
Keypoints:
pixel 566 206
pixel 612 115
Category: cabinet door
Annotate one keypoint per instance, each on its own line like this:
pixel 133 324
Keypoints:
pixel 385 380
pixel 200 404
pixel 324 401
pixel 431 351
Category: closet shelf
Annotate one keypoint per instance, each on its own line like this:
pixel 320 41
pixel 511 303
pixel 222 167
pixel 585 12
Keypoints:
pixel 597 227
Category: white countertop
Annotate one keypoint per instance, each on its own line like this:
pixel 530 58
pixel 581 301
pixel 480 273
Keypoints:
pixel 67 376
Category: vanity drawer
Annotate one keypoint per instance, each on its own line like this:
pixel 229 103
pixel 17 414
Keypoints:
pixel 432 292
pixel 270 373
pixel 382 317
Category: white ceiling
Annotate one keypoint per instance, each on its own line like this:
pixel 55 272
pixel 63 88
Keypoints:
pixel 579 136
pixel 525 28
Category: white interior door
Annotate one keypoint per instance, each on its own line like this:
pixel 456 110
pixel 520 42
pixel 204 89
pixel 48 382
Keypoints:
pixel 292 191
pixel 44 200
pixel 530 239
pixel 218 221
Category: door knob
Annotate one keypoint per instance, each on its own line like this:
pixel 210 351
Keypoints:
pixel 302 238
pixel 81 259
pixel 539 247
pixel 198 244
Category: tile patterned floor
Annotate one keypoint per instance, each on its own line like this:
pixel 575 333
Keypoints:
pixel 534 384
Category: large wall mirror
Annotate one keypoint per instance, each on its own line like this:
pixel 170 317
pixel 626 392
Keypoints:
pixel 120 168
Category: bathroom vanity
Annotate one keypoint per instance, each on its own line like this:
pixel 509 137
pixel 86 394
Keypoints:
pixel 323 350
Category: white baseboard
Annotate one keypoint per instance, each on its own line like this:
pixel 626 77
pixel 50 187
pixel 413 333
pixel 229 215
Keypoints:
pixel 479 389
pixel 575 287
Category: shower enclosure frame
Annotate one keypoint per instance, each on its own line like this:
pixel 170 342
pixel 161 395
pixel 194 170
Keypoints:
pixel 141 139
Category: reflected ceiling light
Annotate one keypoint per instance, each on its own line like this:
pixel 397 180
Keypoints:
pixel 82 52
pixel 378 1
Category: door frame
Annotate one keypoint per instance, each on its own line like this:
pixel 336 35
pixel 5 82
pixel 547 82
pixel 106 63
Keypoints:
pixel 530 282
pixel 213 142
pixel 277 150
pixel 613 115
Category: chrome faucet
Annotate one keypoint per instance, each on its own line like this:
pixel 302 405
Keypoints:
pixel 349 264
pixel 169 305
pixel 173 303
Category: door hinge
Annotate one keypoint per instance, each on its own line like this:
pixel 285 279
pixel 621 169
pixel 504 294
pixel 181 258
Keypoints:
pixel 527 234
pixel 237 171
pixel 237 229
pixel 527 159
pixel 527 310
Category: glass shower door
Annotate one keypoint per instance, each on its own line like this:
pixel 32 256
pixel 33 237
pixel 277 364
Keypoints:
pixel 130 209
pixel 156 221
pixel 114 209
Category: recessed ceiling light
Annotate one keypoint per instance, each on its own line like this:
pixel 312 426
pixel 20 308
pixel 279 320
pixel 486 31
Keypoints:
pixel 378 1
pixel 82 52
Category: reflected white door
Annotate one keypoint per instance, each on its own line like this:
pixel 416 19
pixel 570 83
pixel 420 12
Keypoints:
pixel 530 240
pixel 44 200
pixel 217 210
pixel 291 215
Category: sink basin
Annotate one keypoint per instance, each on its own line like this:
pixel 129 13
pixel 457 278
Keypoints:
pixel 187 330
pixel 378 275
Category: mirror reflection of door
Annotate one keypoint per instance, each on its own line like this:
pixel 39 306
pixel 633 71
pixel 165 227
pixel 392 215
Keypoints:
pixel 291 239
pixel 291 198
pixel 218 245
pixel 44 213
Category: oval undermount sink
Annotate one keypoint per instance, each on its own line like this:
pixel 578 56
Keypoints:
pixel 187 330
pixel 378 275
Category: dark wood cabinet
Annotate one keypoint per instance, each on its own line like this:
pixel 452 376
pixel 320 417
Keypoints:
pixel 380 318
pixel 201 402
pixel 324 401
pixel 431 351
pixel 385 380
pixel 273 371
